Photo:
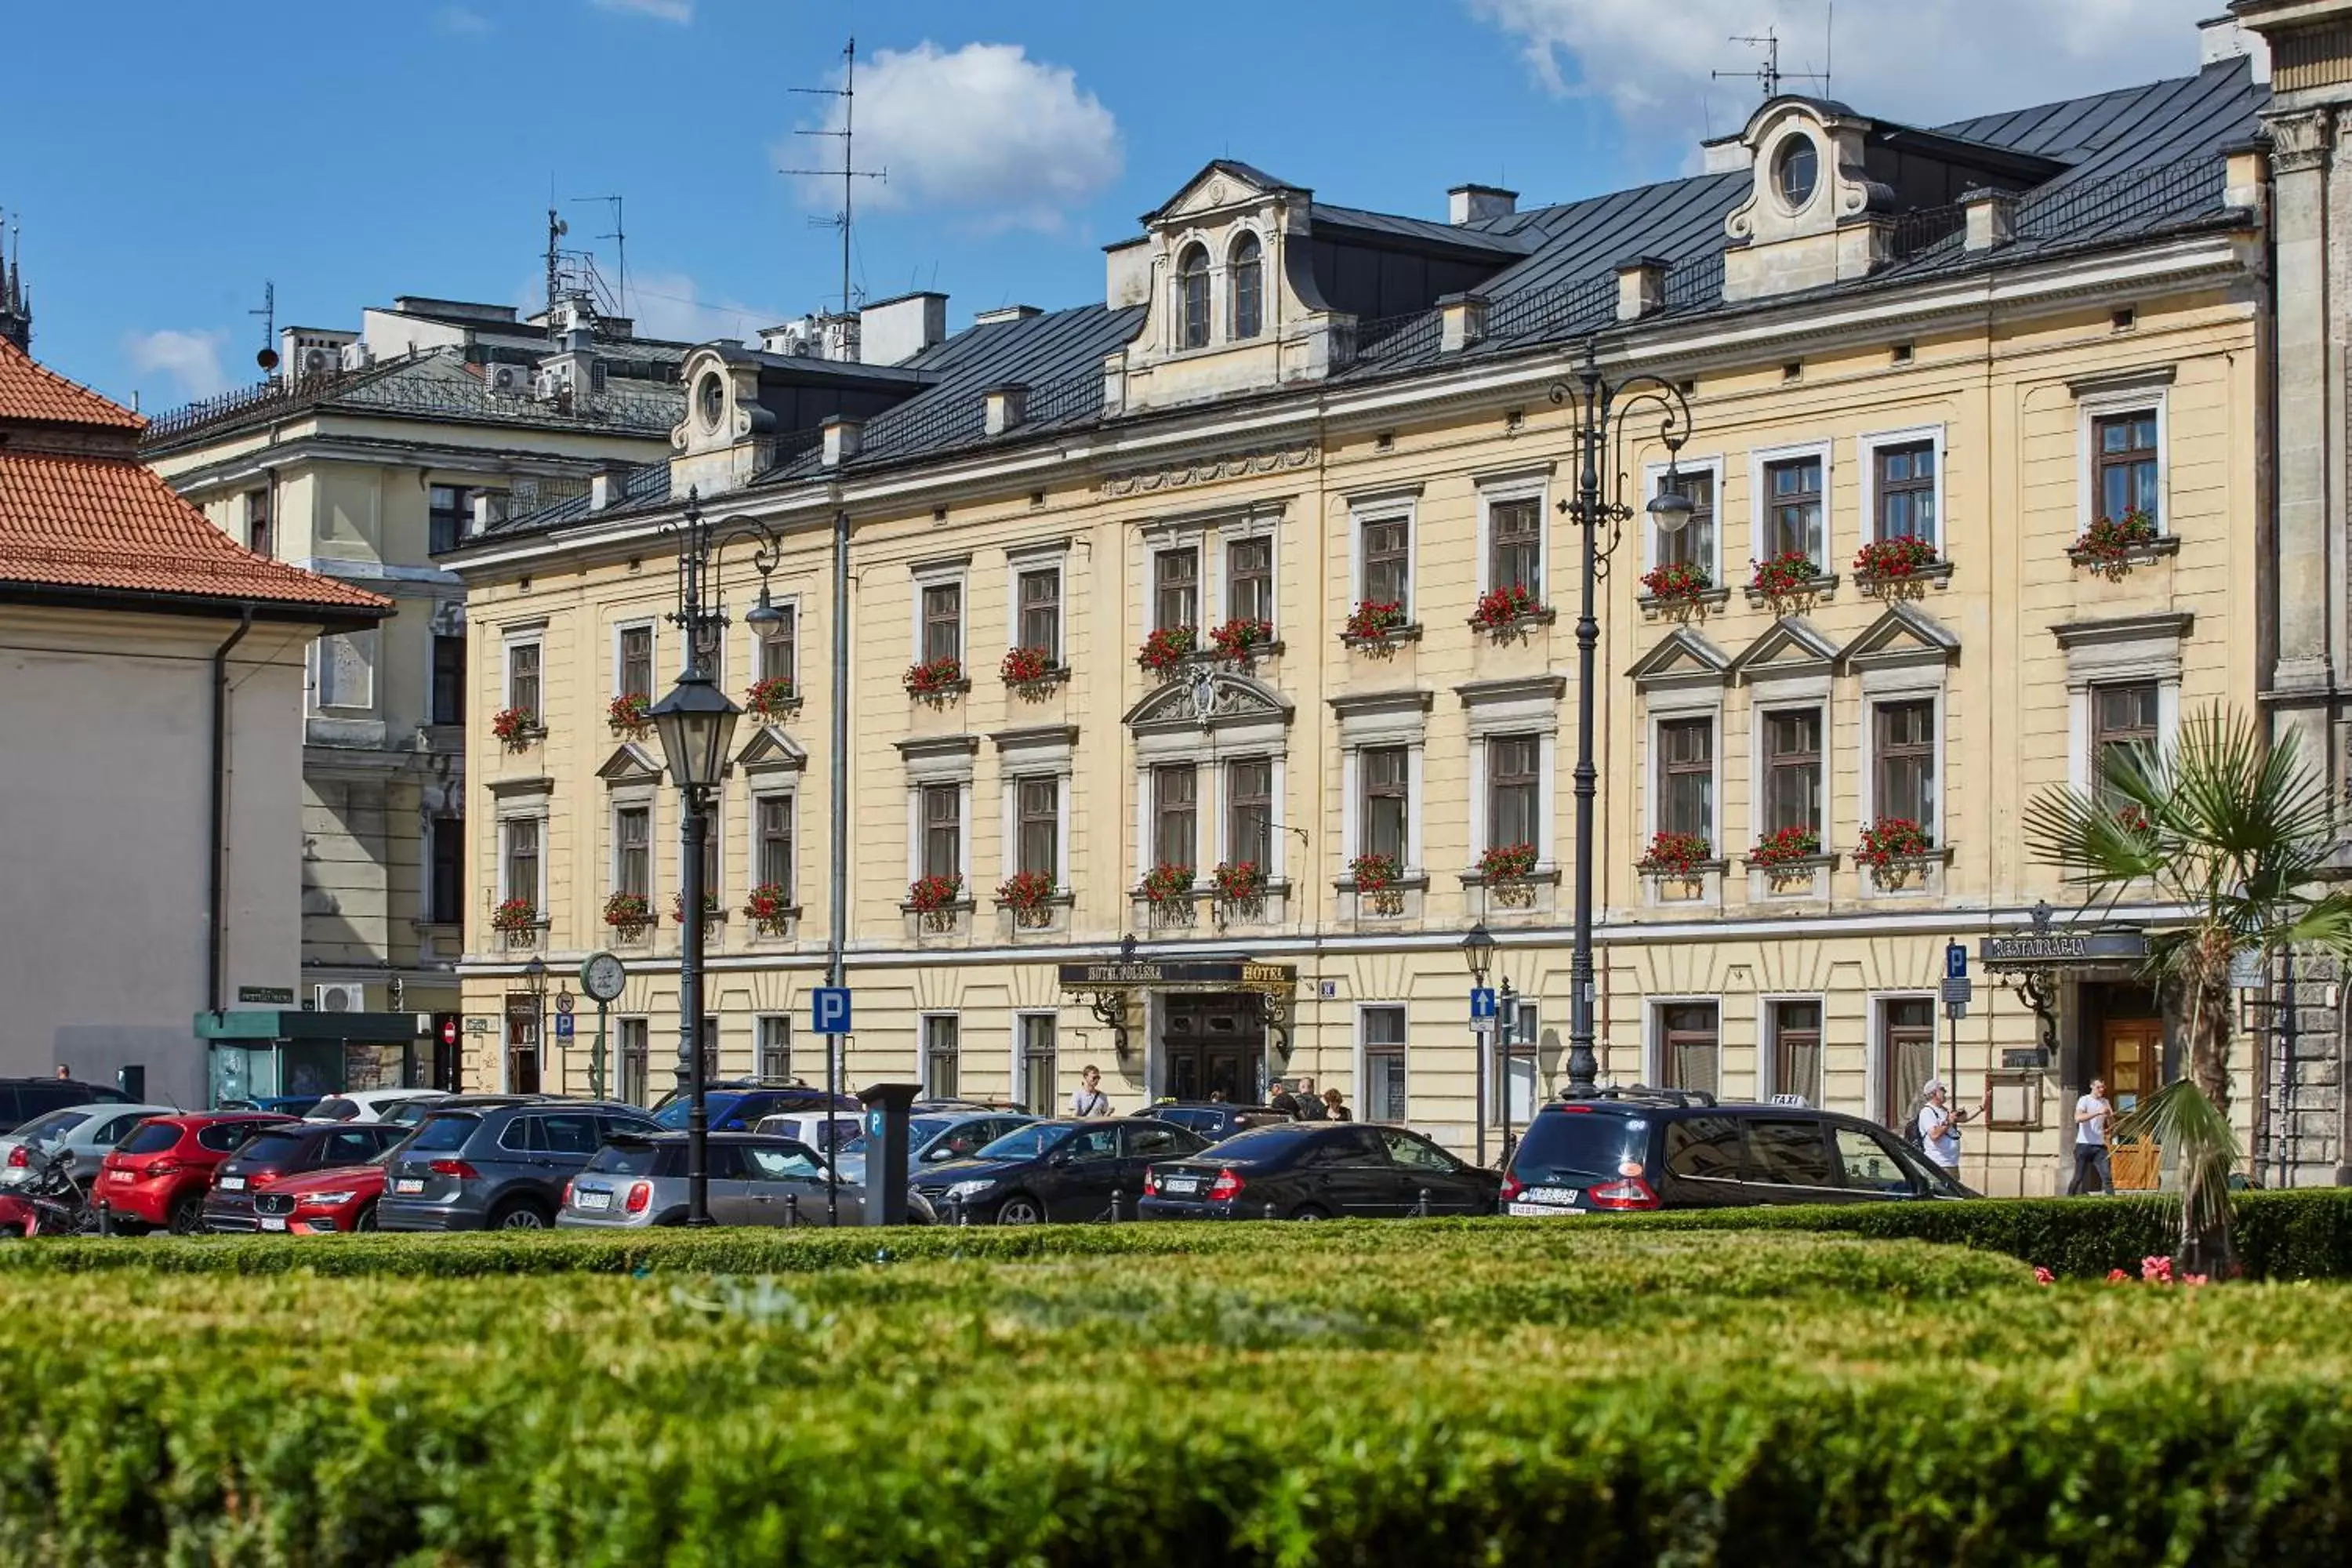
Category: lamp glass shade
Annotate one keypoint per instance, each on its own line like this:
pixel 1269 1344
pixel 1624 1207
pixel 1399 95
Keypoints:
pixel 695 721
pixel 1477 952
pixel 1669 509
pixel 764 617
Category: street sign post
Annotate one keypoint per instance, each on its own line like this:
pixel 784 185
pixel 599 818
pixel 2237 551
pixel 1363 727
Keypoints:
pixel 563 1026
pixel 1482 1003
pixel 829 1007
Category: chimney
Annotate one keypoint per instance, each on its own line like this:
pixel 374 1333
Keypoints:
pixel 892 331
pixel 1477 204
pixel 2225 38
pixel 1726 154
pixel 606 487
pixel 1641 286
pixel 1461 320
pixel 1005 313
pixel 1991 219
pixel 482 517
pixel 2246 167
pixel 843 437
pixel 1007 405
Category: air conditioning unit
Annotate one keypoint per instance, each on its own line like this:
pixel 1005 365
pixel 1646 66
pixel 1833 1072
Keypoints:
pixel 509 380
pixel 349 998
pixel 322 362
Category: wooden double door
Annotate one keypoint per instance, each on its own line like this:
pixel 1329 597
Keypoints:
pixel 1213 1043
pixel 2131 1058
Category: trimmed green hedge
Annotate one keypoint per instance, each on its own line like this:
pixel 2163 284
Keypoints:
pixel 2280 1235
pixel 1359 1393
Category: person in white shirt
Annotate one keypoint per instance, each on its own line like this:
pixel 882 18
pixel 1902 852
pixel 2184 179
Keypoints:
pixel 2094 1114
pixel 1940 1125
pixel 1088 1099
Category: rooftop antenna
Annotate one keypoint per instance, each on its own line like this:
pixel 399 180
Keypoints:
pixel 1771 75
pixel 849 171
pixel 556 229
pixel 268 358
pixel 620 248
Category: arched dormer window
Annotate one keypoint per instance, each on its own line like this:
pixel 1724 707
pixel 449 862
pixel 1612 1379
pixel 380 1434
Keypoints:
pixel 1248 275
pixel 1192 293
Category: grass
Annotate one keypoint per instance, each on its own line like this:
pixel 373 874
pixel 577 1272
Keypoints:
pixel 1344 1393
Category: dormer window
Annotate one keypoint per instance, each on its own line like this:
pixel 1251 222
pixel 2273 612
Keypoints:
pixel 1797 170
pixel 1192 286
pixel 1247 276
pixel 712 399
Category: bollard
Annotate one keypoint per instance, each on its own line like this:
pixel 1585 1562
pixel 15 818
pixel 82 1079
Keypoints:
pixel 1421 1209
pixel 962 1216
pixel 791 1211
pixel 105 1220
pixel 1115 1195
pixel 1269 1208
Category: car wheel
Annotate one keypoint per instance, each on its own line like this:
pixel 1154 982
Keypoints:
pixel 188 1216
pixel 365 1218
pixel 1308 1211
pixel 519 1216
pixel 1020 1209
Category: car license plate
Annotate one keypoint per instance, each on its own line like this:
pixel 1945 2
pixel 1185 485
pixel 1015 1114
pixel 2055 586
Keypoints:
pixel 273 1222
pixel 409 1185
pixel 1183 1184
pixel 232 1183
pixel 1520 1206
pixel 121 1176
pixel 595 1200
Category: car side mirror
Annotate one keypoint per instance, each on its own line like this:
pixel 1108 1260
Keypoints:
pixel 936 1152
pixel 1058 1157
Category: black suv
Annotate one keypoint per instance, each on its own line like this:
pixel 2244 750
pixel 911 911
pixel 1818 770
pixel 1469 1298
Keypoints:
pixel 1675 1149
pixel 23 1098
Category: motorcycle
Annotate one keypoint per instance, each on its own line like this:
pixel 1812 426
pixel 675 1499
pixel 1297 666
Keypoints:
pixel 49 1202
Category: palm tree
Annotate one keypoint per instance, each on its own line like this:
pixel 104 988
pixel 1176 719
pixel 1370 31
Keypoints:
pixel 2223 824
pixel 2179 1118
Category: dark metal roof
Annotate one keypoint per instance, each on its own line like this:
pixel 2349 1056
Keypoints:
pixel 643 488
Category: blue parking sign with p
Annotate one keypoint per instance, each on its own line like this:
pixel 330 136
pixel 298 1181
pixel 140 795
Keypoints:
pixel 563 1025
pixel 830 1006
pixel 1955 962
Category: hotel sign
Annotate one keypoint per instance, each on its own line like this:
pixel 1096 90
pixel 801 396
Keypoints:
pixel 1136 974
pixel 2068 947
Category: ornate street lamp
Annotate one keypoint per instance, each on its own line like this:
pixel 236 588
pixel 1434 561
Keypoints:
pixel 1479 953
pixel 1600 410
pixel 695 723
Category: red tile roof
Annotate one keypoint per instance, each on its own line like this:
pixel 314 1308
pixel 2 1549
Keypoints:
pixel 84 518
pixel 29 390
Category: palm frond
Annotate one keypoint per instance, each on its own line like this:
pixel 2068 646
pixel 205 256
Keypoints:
pixel 2179 1119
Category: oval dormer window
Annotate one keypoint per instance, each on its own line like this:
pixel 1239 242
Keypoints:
pixel 712 397
pixel 1797 170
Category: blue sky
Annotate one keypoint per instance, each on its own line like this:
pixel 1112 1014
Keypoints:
pixel 165 158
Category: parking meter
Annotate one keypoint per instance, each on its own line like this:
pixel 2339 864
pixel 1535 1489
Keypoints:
pixel 887 1105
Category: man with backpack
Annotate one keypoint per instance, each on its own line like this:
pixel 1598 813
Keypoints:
pixel 1935 1132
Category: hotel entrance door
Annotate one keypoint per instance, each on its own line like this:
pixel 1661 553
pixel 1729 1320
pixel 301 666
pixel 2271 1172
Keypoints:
pixel 1213 1042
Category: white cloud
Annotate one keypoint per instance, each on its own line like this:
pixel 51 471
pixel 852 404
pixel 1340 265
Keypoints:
pixel 191 359
pixel 1921 62
pixel 671 305
pixel 462 20
pixel 678 11
pixel 982 127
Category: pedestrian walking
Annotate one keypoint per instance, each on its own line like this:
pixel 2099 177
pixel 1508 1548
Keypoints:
pixel 1940 1125
pixel 1282 1100
pixel 1335 1107
pixel 1088 1099
pixel 1310 1104
pixel 2095 1114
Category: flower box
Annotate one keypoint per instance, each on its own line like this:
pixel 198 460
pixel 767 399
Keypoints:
pixel 1677 582
pixel 1168 883
pixel 1372 620
pixel 1508 862
pixel 1238 881
pixel 514 915
pixel 2108 545
pixel 515 727
pixel 771 698
pixel 1891 559
pixel 932 895
pixel 1375 872
pixel 1890 840
pixel 1025 893
pixel 710 910
pixel 630 713
pixel 1680 854
pixel 628 913
pixel 1784 847
pixel 1165 648
pixel 1241 638
pixel 935 678
pixel 1785 576
pixel 768 907
pixel 1025 668
pixel 1502 610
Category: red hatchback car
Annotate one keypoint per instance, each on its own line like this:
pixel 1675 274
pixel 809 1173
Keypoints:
pixel 157 1178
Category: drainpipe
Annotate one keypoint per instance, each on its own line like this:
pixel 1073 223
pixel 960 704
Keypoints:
pixel 217 881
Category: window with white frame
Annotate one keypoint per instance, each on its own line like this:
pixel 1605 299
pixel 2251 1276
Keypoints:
pixel 1040 1082
pixel 2123 723
pixel 1689 1044
pixel 633 851
pixel 942 819
pixel 1380 1031
pixel 1249 813
pixel 775 1033
pixel 1175 815
pixel 1796 1032
pixel 777 648
pixel 2126 471
pixel 1249 579
pixel 1176 588
pixel 941 1049
pixel 519 858
pixel 632 662
pixel 637 1060
pixel 1037 827
pixel 1903 762
pixel 1693 545
pixel 940 632
pixel 771 846
pixel 1246 281
pixel 1905 486
pixel 1907 1044
pixel 1791 763
pixel 1192 298
pixel 1384 560
pixel 522 678
pixel 1037 594
pixel 1515 539
pixel 1795 504
pixel 1686 776
pixel 1514 790
pixel 1385 816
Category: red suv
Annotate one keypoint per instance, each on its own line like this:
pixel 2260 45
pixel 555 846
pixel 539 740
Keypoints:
pixel 157 1178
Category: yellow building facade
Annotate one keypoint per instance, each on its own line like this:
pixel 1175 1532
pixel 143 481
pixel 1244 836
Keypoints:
pixel 1212 653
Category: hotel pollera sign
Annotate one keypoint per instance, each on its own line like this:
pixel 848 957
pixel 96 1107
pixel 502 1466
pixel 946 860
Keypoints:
pixel 1192 974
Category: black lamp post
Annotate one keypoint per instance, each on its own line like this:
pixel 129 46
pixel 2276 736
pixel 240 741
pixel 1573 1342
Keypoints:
pixel 534 975
pixel 1479 953
pixel 695 723
pixel 1600 410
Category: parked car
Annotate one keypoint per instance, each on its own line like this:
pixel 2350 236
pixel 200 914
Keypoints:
pixel 1215 1120
pixel 1062 1169
pixel 930 1139
pixel 500 1167
pixel 737 1107
pixel 318 1203
pixel 23 1098
pixel 633 1183
pixel 278 1152
pixel 156 1179
pixel 1319 1169
pixel 372 1104
pixel 821 1130
pixel 1653 1149
pixel 413 1112
pixel 84 1131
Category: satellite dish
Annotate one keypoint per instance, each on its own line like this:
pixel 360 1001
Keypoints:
pixel 266 359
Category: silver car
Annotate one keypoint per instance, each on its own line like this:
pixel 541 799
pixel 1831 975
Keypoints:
pixel 86 1133
pixel 940 1135
pixel 637 1183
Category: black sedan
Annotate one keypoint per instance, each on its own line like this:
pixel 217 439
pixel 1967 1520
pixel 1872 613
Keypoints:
pixel 1319 1169
pixel 1054 1170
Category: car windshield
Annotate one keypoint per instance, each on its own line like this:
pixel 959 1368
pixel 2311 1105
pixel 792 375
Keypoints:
pixel 1562 1143
pixel 56 1125
pixel 151 1137
pixel 442 1133
pixel 1027 1143
pixel 623 1160
pixel 269 1148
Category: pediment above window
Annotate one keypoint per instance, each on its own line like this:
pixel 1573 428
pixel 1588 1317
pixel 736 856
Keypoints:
pixel 1905 636
pixel 1681 658
pixel 630 765
pixel 1203 698
pixel 771 751
pixel 1790 649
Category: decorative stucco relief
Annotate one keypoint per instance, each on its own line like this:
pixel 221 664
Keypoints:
pixel 1207 470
